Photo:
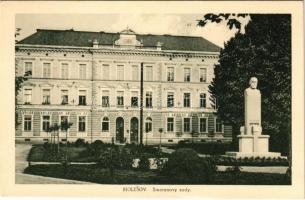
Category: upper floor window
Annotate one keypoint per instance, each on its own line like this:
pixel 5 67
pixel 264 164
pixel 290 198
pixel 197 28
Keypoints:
pixel 46 71
pixel 105 124
pixel 82 71
pixel 82 97
pixel 46 96
pixel 187 100
pixel 218 126
pixel 149 73
pixel 105 71
pixel 82 124
pixel 105 98
pixel 187 74
pixel 148 125
pixel 134 99
pixel 170 124
pixel 120 98
pixel 135 73
pixel 203 75
pixel 27 123
pixel 64 97
pixel 46 121
pixel 170 74
pixel 170 100
pixel 64 70
pixel 203 100
pixel 120 72
pixel 27 96
pixel 187 124
pixel 148 99
pixel 203 125
pixel 28 68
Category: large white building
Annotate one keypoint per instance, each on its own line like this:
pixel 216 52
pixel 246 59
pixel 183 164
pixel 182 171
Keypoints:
pixel 92 79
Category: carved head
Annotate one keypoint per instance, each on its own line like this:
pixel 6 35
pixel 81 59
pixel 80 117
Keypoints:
pixel 253 82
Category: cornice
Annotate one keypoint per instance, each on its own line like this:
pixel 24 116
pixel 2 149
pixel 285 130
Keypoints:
pixel 114 51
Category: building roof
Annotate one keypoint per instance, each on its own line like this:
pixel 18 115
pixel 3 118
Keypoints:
pixel 85 39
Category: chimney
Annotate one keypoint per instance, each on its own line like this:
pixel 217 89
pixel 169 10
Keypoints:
pixel 159 45
pixel 95 43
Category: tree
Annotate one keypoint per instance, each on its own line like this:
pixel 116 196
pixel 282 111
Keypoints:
pixel 263 51
pixel 65 125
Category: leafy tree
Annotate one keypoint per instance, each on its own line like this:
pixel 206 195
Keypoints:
pixel 263 51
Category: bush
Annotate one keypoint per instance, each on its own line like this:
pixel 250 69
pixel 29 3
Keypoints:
pixel 144 163
pixel 80 143
pixel 185 166
pixel 207 148
pixel 126 159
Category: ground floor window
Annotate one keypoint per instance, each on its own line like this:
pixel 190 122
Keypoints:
pixel 46 123
pixel 148 125
pixel 64 123
pixel 218 126
pixel 187 125
pixel 27 123
pixel 105 124
pixel 203 125
pixel 170 124
pixel 81 123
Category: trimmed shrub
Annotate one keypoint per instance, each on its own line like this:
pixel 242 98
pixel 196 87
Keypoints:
pixel 185 166
pixel 80 143
pixel 144 164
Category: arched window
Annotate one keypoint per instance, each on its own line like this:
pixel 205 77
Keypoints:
pixel 148 125
pixel 105 124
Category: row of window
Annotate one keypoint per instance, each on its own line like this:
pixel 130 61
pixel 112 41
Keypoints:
pixel 170 124
pixel 46 96
pixel 148 72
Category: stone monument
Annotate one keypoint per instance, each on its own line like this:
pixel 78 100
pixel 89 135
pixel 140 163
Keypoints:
pixel 251 141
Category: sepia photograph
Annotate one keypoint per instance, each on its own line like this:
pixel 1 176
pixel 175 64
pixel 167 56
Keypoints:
pixel 163 102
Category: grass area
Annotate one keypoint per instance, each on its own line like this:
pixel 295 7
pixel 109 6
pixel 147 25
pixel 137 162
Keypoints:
pixel 96 174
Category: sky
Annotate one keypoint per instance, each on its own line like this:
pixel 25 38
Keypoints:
pixel 173 24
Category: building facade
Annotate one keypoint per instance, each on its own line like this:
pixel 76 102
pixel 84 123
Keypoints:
pixel 92 79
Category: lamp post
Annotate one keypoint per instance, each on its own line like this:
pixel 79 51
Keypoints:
pixel 160 131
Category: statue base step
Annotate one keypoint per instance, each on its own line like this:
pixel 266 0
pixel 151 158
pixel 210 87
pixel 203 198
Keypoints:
pixel 255 155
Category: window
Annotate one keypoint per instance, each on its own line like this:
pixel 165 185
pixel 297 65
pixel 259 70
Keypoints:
pixel 64 97
pixel 203 125
pixel 135 73
pixel 82 97
pixel 170 100
pixel 120 72
pixel 105 98
pixel 187 100
pixel 187 125
pixel 64 123
pixel 105 124
pixel 203 100
pixel 120 98
pixel 28 68
pixel 46 96
pixel 170 74
pixel 105 71
pixel 81 123
pixel 203 74
pixel 218 126
pixel 187 74
pixel 64 70
pixel 215 103
pixel 27 123
pixel 149 73
pixel 134 99
pixel 82 71
pixel 45 123
pixel 27 96
pixel 170 124
pixel 148 125
pixel 148 100
pixel 46 70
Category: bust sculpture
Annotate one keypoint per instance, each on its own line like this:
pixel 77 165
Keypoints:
pixel 252 107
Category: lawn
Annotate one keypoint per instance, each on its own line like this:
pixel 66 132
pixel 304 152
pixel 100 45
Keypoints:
pixel 97 174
